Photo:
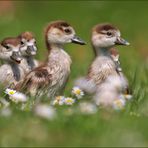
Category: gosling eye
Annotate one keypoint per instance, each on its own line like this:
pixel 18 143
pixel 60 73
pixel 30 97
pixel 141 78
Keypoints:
pixel 68 31
pixel 109 34
pixel 7 47
pixel 22 43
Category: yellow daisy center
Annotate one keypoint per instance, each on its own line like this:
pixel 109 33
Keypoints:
pixel 58 98
pixel 56 102
pixel 119 104
pixel 69 100
pixel 11 92
pixel 78 91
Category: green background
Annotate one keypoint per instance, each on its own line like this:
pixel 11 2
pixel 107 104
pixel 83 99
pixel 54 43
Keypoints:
pixel 106 128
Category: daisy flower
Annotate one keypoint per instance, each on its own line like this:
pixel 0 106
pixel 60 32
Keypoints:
pixel 77 92
pixel 45 111
pixel 87 108
pixel 128 96
pixel 18 97
pixel 119 104
pixel 59 100
pixel 4 102
pixel 10 91
pixel 6 112
pixel 69 101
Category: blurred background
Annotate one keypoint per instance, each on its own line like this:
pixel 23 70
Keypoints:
pixel 105 128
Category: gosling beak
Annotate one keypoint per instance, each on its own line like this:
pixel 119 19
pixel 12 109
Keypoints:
pixel 16 57
pixel 121 41
pixel 31 50
pixel 77 40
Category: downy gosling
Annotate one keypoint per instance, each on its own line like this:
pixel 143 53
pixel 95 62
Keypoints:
pixel 10 72
pixel 104 38
pixel 50 78
pixel 28 50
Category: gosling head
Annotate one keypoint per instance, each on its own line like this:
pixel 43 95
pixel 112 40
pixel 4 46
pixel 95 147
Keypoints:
pixel 106 36
pixel 10 50
pixel 60 32
pixel 28 44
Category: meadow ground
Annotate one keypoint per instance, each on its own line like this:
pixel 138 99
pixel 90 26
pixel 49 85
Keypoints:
pixel 105 128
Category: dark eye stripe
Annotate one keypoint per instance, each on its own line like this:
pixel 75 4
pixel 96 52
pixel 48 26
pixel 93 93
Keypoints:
pixel 67 31
pixel 22 42
pixel 6 46
pixel 109 33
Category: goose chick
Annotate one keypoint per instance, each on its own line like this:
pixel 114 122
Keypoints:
pixel 104 37
pixel 10 72
pixel 51 77
pixel 28 51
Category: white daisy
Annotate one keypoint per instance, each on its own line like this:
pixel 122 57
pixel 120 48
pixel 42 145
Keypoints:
pixel 10 91
pixel 121 96
pixel 18 97
pixel 87 108
pixel 128 96
pixel 77 92
pixel 69 101
pixel 23 106
pixel 45 111
pixel 4 102
pixel 119 104
pixel 59 100
pixel 6 112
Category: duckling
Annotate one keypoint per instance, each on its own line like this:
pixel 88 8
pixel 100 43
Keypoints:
pixel 28 51
pixel 104 38
pixel 51 77
pixel 10 72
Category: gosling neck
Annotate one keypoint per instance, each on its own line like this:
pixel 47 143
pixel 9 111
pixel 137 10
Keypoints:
pixel 53 46
pixel 54 49
pixel 30 61
pixel 15 70
pixel 102 51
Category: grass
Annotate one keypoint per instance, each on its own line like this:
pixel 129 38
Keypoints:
pixel 106 128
